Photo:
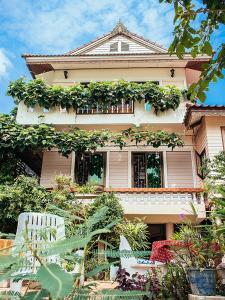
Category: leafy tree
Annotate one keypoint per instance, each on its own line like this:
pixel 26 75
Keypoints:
pixel 195 25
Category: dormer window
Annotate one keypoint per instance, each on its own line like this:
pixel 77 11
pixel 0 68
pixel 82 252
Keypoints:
pixel 114 47
pixel 124 46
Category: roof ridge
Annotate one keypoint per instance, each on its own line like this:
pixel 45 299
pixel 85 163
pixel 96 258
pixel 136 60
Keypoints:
pixel 120 28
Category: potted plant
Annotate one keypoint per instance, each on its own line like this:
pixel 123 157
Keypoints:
pixel 201 255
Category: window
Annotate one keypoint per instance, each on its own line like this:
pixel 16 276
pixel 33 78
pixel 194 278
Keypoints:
pixel 124 46
pixel 114 47
pixel 147 170
pixel 157 232
pixel 90 168
pixel 201 164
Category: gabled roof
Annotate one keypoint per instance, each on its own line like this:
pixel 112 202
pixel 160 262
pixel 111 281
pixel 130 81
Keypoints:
pixel 194 113
pixel 119 29
pixel 96 54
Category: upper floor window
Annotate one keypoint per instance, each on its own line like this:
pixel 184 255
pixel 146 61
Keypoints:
pixel 114 47
pixel 124 46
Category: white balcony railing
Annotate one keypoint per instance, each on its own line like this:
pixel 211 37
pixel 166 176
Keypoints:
pixel 163 201
pixel 126 107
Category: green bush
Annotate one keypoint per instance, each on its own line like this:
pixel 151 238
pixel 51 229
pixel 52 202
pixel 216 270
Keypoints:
pixel 114 213
pixel 136 232
pixel 24 195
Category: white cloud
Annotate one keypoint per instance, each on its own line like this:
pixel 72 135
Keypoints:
pixel 61 25
pixel 5 63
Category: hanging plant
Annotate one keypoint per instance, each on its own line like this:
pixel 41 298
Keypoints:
pixel 17 138
pixel 101 94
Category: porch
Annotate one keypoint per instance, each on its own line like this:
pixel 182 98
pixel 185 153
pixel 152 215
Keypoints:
pixel 167 206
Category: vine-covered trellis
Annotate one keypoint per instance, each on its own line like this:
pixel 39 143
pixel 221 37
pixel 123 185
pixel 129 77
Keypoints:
pixel 103 94
pixel 17 138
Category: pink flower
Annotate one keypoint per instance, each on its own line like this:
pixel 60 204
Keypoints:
pixel 181 215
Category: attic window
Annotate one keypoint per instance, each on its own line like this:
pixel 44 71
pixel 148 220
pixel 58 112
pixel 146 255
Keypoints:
pixel 114 47
pixel 124 46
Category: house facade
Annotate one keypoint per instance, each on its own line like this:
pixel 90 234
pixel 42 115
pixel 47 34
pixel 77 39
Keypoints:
pixel 156 185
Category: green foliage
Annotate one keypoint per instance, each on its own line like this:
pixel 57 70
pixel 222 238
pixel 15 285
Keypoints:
pixel 175 284
pixel 194 28
pixel 215 186
pixel 24 195
pixel 103 94
pixel 55 280
pixel 203 246
pixel 135 231
pixel 114 209
pixel 17 138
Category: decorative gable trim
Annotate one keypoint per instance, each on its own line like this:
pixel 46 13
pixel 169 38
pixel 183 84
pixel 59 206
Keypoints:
pixel 119 29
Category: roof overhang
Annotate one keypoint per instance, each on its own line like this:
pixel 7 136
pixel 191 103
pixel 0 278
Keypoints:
pixel 195 113
pixel 38 64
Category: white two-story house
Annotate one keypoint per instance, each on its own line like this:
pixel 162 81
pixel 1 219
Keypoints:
pixel 160 200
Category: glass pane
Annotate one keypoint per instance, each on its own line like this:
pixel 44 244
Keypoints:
pixel 96 169
pixel 90 168
pixel 154 176
pixel 139 167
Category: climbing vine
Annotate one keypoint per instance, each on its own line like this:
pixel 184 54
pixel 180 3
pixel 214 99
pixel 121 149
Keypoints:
pixel 17 138
pixel 103 94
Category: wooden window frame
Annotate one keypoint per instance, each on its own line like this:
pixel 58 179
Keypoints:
pixel 104 154
pixel 161 166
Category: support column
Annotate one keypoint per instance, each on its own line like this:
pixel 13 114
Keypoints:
pixel 169 230
pixel 129 170
pixel 72 171
pixel 165 173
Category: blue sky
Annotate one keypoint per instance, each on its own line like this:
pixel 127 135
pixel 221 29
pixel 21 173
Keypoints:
pixel 57 26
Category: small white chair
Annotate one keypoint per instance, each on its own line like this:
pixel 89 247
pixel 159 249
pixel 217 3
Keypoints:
pixel 41 230
pixel 131 264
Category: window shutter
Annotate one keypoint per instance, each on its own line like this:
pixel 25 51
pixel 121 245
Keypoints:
pixel 114 47
pixel 124 46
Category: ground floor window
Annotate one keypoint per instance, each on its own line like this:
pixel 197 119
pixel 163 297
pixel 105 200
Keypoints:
pixel 157 232
pixel 147 169
pixel 90 168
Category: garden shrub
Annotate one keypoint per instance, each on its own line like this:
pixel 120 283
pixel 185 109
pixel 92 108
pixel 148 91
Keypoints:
pixel 135 231
pixel 23 195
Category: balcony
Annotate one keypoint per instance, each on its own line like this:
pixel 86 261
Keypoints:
pixel 159 205
pixel 126 107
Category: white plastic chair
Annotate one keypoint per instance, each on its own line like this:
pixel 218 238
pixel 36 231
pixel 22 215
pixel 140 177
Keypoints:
pixel 41 230
pixel 131 264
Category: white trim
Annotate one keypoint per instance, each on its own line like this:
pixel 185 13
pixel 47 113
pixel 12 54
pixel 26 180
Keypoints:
pixel 129 170
pixel 107 182
pixel 165 171
pixel 194 173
